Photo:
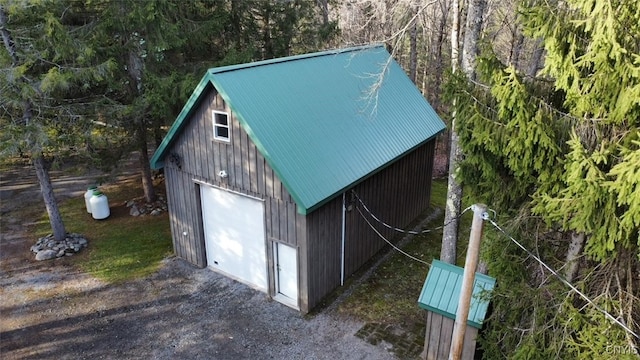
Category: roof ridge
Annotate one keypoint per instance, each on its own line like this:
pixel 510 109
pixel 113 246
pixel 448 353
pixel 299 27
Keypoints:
pixel 227 68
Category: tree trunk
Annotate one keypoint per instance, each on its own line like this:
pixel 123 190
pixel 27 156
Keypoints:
pixel 39 163
pixel 573 255
pixel 268 52
pixel 475 13
pixel 469 56
pixel 536 58
pixel 57 226
pixel 136 70
pixel 438 42
pixel 9 44
pixel 455 37
pixel 145 166
pixel 236 24
pixel 454 190
pixel 324 9
pixel 453 204
pixel 516 49
pixel 413 48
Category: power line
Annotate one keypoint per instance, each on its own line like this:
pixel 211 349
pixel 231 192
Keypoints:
pixel 563 280
pixel 389 242
pixel 402 230
pixel 487 218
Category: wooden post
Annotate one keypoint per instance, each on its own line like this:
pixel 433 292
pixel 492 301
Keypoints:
pixel 466 291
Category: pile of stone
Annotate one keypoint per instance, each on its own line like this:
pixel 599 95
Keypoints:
pixel 48 247
pixel 139 207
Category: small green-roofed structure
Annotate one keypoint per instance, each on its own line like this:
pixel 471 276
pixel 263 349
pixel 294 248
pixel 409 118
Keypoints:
pixel 439 296
pixel 441 291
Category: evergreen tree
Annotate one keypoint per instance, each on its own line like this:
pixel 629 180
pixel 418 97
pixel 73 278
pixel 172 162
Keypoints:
pixel 560 153
pixel 47 73
pixel 161 49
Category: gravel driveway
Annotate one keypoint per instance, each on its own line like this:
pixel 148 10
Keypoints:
pixel 49 310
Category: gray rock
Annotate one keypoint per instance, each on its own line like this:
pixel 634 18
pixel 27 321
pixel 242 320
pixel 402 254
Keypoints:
pixel 48 248
pixel 46 255
pixel 156 212
pixel 134 211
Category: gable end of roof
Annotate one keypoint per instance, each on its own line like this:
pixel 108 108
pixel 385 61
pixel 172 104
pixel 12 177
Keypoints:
pixel 157 160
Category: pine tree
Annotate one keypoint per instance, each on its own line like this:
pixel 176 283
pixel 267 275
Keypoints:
pixel 159 48
pixel 47 71
pixel 560 153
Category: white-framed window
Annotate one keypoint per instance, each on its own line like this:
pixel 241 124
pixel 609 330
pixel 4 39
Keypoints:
pixel 221 129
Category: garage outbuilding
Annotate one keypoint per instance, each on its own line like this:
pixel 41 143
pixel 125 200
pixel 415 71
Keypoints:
pixel 264 163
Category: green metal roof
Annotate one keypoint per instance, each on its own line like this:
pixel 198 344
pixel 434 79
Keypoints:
pixel 323 121
pixel 441 292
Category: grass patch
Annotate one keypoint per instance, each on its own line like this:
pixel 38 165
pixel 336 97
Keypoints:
pixel 121 247
pixel 390 294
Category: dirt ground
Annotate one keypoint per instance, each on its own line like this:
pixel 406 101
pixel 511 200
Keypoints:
pixel 50 310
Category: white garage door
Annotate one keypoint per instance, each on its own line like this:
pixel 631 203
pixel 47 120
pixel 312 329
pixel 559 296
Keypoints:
pixel 234 235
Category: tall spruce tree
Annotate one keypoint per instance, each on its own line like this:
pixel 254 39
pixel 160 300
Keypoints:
pixel 559 153
pixel 160 48
pixel 48 70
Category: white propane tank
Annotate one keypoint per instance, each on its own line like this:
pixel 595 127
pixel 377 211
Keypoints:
pixel 99 205
pixel 87 196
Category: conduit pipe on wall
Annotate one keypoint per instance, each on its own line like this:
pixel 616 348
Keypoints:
pixel 344 219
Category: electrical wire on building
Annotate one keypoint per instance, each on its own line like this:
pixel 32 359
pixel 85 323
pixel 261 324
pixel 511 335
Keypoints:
pixel 389 242
pixel 364 206
pixel 373 216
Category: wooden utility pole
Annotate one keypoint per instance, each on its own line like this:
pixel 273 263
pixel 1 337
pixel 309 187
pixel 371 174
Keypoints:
pixel 468 277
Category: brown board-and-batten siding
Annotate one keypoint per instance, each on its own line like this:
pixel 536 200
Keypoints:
pixel 200 158
pixel 438 337
pixel 324 238
pixel 397 194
